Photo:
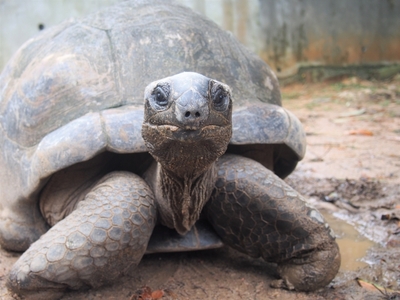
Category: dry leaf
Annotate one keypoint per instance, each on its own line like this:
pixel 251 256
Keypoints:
pixel 143 294
pixel 373 287
pixel 361 132
pixel 158 294
pixel 366 285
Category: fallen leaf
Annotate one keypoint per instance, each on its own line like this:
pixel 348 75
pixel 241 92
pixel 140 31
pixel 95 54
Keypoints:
pixel 369 286
pixel 373 287
pixel 353 113
pixel 361 132
pixel 144 293
pixel 158 294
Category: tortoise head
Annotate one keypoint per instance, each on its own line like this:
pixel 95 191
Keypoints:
pixel 187 122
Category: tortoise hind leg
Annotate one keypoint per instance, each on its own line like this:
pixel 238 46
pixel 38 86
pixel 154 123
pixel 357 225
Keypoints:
pixel 97 243
pixel 256 213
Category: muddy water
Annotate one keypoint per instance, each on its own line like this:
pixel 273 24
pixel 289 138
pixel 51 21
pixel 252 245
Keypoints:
pixel 353 246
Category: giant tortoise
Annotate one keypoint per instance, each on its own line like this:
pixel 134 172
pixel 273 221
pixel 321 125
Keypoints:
pixel 92 176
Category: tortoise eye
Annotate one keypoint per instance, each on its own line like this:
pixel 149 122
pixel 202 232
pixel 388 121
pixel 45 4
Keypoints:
pixel 160 95
pixel 220 99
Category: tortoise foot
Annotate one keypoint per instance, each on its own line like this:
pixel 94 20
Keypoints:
pixel 97 243
pixel 312 272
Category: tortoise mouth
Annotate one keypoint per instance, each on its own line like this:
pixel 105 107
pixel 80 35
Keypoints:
pixel 184 151
pixel 187 133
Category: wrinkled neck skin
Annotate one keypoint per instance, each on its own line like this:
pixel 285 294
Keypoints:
pixel 182 184
pixel 187 126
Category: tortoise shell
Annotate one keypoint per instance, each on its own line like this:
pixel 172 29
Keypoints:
pixel 75 91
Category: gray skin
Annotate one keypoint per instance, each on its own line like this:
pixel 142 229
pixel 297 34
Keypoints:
pixel 92 179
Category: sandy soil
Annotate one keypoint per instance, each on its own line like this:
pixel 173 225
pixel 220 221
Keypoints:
pixel 351 172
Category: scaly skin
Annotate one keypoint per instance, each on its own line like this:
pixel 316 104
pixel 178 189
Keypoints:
pixel 98 242
pixel 255 212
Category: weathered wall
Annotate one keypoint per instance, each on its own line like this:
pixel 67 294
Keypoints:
pixel 341 33
pixel 291 35
pixel 22 19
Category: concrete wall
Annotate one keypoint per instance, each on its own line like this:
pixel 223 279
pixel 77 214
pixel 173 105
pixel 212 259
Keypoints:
pixel 333 33
pixel 22 19
pixel 288 34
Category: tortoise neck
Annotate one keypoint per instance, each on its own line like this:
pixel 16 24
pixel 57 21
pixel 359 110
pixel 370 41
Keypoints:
pixel 183 196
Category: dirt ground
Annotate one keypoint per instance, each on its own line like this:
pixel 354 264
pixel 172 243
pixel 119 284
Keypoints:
pixel 351 172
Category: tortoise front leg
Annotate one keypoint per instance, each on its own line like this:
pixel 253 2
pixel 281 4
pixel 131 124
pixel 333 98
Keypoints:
pixel 258 214
pixel 98 242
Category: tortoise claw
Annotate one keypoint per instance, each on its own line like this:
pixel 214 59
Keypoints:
pixel 282 284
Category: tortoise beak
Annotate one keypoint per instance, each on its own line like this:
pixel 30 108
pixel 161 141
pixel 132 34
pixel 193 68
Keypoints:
pixel 191 110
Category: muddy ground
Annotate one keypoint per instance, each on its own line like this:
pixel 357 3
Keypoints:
pixel 351 172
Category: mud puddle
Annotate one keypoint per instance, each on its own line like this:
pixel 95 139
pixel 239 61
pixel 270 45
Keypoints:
pixel 353 246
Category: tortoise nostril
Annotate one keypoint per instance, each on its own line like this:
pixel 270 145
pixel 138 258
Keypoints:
pixel 193 115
